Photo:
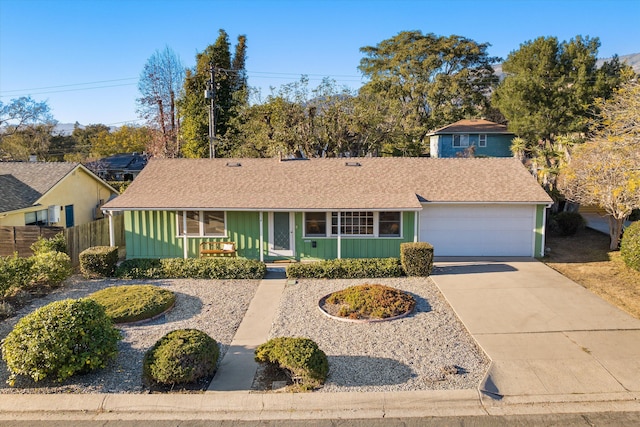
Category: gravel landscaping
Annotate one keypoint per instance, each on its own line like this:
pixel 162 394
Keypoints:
pixel 428 350
pixel 213 306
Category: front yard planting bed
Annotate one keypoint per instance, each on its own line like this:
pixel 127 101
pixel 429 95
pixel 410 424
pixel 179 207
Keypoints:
pixel 215 307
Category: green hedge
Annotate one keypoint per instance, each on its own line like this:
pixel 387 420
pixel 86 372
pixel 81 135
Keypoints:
pixel 60 339
pixel 630 246
pixel 307 364
pixel 566 223
pixel 98 261
pixel 194 268
pixel 55 244
pixel 416 258
pixel 350 268
pixel 15 273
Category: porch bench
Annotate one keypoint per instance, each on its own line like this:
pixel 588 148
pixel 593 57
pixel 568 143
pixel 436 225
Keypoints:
pixel 217 249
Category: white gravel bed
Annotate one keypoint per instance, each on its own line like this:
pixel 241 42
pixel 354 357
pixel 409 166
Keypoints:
pixel 213 306
pixel 428 350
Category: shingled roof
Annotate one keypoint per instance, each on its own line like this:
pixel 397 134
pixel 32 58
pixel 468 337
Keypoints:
pixel 22 184
pixel 472 126
pixel 380 183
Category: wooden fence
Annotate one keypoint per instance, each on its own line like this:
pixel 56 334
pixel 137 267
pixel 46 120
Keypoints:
pixel 79 238
pixel 95 233
pixel 20 239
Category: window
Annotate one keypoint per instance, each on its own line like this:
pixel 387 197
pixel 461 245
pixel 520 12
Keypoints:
pixel 352 223
pixel 202 223
pixel 315 224
pixel 36 218
pixel 389 224
pixel 482 140
pixel 461 140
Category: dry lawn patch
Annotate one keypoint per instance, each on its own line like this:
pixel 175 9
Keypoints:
pixel 586 259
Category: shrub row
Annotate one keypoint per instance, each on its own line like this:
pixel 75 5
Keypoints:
pixel 195 268
pixel 565 223
pixel 355 268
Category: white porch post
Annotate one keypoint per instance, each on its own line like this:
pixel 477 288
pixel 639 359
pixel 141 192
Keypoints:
pixel 184 235
pixel 261 244
pixel 112 235
pixel 339 237
pixel 415 225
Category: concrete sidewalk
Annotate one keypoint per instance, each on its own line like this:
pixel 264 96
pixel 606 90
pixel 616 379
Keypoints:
pixel 238 367
pixel 546 335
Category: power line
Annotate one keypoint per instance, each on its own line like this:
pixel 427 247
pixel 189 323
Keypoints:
pixel 69 85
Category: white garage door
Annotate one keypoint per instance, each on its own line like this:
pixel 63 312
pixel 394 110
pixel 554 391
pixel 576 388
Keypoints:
pixel 478 230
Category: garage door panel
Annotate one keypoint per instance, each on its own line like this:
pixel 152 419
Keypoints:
pixel 478 230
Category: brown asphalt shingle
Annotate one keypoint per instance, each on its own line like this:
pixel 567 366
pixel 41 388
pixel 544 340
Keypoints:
pixel 22 184
pixel 325 184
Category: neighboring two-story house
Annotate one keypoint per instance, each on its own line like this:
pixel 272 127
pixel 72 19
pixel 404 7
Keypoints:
pixel 485 138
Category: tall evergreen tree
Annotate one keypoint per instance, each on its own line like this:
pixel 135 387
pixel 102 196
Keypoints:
pixel 548 96
pixel 194 108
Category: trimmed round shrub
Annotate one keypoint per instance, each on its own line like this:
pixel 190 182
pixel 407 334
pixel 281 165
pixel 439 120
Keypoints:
pixel 371 301
pixel 50 268
pixel 59 340
pixel 182 356
pixel 131 303
pixel 306 363
pixel 630 246
pixel 98 261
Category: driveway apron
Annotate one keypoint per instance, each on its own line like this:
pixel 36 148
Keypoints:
pixel 545 334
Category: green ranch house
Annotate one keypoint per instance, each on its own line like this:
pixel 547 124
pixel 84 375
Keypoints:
pixel 299 209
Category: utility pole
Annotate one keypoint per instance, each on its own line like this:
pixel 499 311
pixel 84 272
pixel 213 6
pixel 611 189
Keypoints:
pixel 210 94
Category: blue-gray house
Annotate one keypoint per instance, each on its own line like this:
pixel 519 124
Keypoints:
pixel 488 139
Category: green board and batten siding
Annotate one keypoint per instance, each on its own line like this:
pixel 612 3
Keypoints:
pixel 153 234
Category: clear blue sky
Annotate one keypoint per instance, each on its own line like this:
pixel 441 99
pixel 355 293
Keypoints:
pixel 84 57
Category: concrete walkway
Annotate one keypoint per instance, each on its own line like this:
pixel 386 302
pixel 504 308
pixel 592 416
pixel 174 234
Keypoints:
pixel 237 368
pixel 546 335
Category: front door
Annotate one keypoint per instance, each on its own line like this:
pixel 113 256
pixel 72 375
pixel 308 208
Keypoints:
pixel 281 234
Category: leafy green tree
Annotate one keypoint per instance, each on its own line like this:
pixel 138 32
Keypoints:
pixel 194 108
pixel 86 137
pixel 429 80
pixel 26 128
pixel 547 96
pixel 126 139
pixel 160 83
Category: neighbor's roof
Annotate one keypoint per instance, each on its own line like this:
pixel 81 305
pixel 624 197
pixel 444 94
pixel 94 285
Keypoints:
pixel 327 184
pixel 22 184
pixel 471 126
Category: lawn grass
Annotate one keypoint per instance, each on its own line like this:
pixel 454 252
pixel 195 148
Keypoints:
pixel 586 259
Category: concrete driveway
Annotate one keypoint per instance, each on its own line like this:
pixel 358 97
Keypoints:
pixel 546 335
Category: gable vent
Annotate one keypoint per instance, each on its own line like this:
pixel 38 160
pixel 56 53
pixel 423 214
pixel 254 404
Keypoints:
pixel 352 164
pixel 233 165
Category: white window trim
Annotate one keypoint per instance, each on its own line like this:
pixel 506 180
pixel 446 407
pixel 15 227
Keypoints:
pixel 200 225
pixel 482 140
pixel 462 137
pixel 376 228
